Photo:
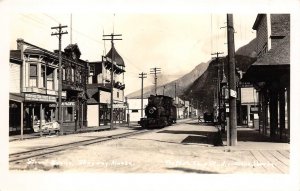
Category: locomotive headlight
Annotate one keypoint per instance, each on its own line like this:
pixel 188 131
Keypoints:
pixel 152 110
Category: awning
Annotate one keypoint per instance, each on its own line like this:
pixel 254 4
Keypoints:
pixel 272 66
pixel 18 97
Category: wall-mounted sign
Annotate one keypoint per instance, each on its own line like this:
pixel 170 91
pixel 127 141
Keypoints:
pixel 38 97
pixel 232 93
pixel 254 109
pixel 245 84
pixel 68 103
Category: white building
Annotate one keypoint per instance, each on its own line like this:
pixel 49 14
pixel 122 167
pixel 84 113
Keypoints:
pixel 134 108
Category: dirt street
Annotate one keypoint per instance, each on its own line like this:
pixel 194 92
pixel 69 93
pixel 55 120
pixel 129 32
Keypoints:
pixel 181 148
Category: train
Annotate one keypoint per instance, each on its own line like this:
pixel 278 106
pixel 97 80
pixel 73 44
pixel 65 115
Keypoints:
pixel 159 112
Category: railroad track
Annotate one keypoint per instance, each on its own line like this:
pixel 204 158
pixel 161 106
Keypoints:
pixel 16 157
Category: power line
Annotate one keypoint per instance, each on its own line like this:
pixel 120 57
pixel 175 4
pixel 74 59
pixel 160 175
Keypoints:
pixel 52 18
pixel 81 33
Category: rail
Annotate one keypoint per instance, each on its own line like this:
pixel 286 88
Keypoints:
pixel 20 156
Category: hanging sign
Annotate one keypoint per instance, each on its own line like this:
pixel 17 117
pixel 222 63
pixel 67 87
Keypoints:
pixel 233 93
pixel 68 103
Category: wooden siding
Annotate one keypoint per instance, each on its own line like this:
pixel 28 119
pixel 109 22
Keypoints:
pixel 15 78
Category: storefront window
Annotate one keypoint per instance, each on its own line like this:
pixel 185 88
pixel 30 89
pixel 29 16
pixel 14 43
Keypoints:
pixel 68 113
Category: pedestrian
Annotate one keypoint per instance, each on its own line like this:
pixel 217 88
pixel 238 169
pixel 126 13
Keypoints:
pixel 199 119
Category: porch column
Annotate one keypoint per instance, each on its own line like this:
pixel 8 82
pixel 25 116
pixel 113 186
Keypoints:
pixel 82 115
pixel 51 114
pixel 248 115
pixel 273 112
pixel 39 76
pixel 288 111
pixel 260 121
pixel 281 111
pixel 32 117
pixel 41 116
pixel 22 121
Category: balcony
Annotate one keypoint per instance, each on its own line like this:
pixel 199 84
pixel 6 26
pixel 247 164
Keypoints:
pixel 119 85
pixel 74 86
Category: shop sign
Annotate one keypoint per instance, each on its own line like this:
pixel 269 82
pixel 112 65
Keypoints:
pixel 254 109
pixel 37 97
pixel 245 84
pixel 233 93
pixel 68 103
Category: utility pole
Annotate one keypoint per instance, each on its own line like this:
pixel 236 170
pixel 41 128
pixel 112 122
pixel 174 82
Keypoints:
pixel 59 33
pixel 218 83
pixel 176 102
pixel 232 83
pixel 142 76
pixel 155 71
pixel 112 35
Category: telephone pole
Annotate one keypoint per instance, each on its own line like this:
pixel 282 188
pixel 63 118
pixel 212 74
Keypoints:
pixel 112 38
pixel 155 71
pixel 177 111
pixel 232 83
pixel 218 83
pixel 59 33
pixel 142 76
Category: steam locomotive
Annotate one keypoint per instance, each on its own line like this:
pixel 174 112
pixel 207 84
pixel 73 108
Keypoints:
pixel 160 112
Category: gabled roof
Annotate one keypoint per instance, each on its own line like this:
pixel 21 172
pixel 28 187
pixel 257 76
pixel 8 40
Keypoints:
pixel 92 98
pixel 280 55
pixel 73 48
pixel 117 58
pixel 272 65
pixel 257 21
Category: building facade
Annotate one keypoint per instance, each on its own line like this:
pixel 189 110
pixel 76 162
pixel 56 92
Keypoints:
pixel 134 108
pixel 34 89
pixel 270 74
pixel 99 90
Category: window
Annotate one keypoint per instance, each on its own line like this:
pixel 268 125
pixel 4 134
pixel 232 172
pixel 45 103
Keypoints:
pixel 92 70
pixel 33 75
pixel 80 77
pixel 43 76
pixel 68 114
pixel 64 74
pixel 118 94
pixel 72 75
pixel 50 79
pixel 135 111
pixel 68 74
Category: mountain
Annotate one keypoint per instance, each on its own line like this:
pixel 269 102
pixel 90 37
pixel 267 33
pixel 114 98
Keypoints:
pixel 248 50
pixel 200 84
pixel 203 90
pixel 169 88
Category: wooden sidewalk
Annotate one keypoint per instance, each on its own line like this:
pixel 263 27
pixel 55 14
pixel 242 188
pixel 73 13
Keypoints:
pixel 273 161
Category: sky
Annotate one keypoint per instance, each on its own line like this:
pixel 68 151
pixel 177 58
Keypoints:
pixel 174 42
pixel 175 35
